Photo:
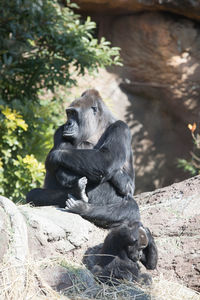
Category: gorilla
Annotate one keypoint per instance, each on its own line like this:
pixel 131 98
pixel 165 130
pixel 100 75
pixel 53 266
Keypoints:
pixel 89 171
pixel 92 144
pixel 123 247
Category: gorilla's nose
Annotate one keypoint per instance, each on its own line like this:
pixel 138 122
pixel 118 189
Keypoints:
pixel 70 123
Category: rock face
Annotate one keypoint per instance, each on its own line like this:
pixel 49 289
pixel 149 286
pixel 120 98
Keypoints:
pixel 161 78
pixel 161 60
pixel 188 8
pixel 171 213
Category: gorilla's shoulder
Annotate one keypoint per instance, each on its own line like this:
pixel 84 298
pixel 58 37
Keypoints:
pixel 121 126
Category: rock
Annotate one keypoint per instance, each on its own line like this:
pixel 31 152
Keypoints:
pixel 4 238
pixel 14 249
pixel 57 242
pixel 18 241
pixel 188 8
pixel 161 61
pixel 173 215
pixel 54 231
pixel 56 277
pixel 34 244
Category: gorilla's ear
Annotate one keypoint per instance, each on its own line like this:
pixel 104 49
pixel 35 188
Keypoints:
pixel 143 238
pixel 150 253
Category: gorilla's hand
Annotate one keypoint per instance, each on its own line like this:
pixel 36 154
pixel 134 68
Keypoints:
pixel 76 206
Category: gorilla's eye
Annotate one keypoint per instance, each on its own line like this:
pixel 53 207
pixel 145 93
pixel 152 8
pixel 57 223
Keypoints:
pixel 94 108
pixel 71 113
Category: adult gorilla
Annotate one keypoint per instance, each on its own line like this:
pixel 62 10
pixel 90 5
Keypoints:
pixel 93 144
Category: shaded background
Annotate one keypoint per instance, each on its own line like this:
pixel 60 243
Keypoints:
pixel 157 90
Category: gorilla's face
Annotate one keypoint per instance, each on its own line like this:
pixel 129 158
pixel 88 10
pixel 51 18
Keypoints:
pixel 140 241
pixel 71 127
pixel 83 118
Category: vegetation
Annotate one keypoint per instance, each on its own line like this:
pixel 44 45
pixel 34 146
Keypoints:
pixel 42 46
pixel 193 165
pixel 30 284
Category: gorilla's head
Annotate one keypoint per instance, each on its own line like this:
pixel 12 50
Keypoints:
pixel 87 117
pixel 138 240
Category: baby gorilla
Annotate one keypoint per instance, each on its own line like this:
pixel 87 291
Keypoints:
pixel 122 249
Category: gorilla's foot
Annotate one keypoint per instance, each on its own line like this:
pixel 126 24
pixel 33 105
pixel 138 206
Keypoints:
pixel 76 206
pixel 82 182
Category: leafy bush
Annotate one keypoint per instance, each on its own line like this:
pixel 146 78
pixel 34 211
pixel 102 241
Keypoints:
pixel 40 41
pixel 193 165
pixel 17 174
pixel 42 46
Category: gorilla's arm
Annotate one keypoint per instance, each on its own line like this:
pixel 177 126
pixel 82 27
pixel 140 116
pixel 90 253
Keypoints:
pixel 99 163
pixel 65 178
pixel 123 183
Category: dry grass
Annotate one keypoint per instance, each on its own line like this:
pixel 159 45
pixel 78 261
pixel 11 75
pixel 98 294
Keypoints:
pixel 164 289
pixel 25 283
pixel 160 290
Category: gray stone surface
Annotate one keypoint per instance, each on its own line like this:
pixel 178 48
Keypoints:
pixel 4 234
pixel 53 230
pixel 18 237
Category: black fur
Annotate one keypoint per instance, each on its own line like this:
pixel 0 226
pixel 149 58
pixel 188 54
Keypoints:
pixel 122 249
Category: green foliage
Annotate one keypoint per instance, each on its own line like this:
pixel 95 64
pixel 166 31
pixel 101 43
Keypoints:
pixel 24 143
pixel 187 166
pixel 40 42
pixel 193 164
pixel 42 46
pixel 17 173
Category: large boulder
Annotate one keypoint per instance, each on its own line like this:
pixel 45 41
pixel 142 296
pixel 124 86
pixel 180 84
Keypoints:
pixel 53 231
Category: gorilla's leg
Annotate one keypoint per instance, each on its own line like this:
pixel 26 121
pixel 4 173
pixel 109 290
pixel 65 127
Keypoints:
pixel 79 192
pixel 106 216
pixel 82 182
pixel 46 197
pixel 65 178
